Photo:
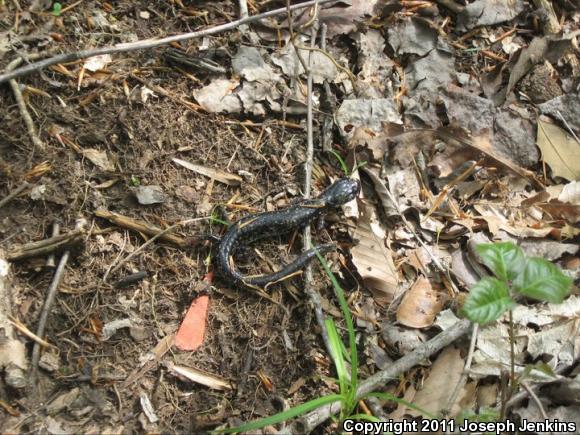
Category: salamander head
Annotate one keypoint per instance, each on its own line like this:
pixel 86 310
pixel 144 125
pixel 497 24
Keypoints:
pixel 341 192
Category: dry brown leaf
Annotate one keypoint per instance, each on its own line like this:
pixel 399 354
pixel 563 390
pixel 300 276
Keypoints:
pixel 340 19
pixel 457 136
pixel 420 305
pixel 215 174
pixel 99 159
pixel 559 150
pixel 401 409
pixel 557 210
pixel 376 141
pixel 438 387
pixel 372 259
pixel 560 201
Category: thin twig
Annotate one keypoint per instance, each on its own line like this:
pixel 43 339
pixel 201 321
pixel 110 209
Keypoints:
pixel 307 236
pixel 22 106
pixel 147 43
pixel 14 194
pixel 293 37
pixel 523 394
pixel 535 398
pixel 50 297
pixel 243 9
pixel 568 126
pixel 512 337
pixel 308 422
pixel 24 329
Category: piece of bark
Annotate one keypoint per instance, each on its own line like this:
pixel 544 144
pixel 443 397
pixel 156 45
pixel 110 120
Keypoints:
pixel 141 227
pixel 46 246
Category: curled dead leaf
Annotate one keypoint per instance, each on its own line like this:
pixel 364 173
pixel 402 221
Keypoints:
pixel 372 258
pixel 420 305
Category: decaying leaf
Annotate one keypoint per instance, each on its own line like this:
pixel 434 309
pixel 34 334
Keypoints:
pixel 376 68
pixel 370 114
pixel 215 174
pixel 559 202
pixel 99 159
pixel 487 12
pixel 432 71
pixel 420 305
pixel 546 314
pixel 437 389
pixel 561 342
pixel 493 350
pixel 96 63
pixel 372 258
pixel 219 96
pixel 559 150
pixel 340 19
pixel 412 35
pixel 322 66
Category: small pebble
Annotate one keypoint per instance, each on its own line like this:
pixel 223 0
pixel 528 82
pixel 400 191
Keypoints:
pixel 147 195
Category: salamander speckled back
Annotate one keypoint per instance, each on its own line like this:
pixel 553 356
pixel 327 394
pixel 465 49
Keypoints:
pixel 253 227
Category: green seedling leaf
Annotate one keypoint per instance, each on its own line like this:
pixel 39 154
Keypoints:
pixel 340 161
pixel 505 259
pixel 56 9
pixel 488 299
pixel 283 416
pixel 543 281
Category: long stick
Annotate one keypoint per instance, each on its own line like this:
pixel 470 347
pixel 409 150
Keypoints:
pixel 147 43
pixel 50 297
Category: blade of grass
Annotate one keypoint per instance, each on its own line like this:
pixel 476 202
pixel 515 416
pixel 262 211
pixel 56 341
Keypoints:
pixel 340 162
pixel 351 403
pixel 334 342
pixel 283 416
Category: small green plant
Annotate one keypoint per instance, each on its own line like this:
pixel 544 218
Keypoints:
pixel 56 9
pixel 134 181
pixel 347 381
pixel 215 219
pixel 347 172
pixel 515 274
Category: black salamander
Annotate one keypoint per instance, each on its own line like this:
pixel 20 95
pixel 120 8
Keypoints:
pixel 253 227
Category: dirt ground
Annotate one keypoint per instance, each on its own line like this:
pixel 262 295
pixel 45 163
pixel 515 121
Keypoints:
pixel 90 383
pixel 246 334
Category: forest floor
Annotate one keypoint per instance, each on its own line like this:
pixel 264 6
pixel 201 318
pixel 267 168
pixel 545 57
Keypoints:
pixel 463 118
